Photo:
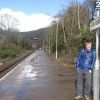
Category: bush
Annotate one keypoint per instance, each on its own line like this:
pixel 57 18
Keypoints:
pixel 3 54
pixel 9 50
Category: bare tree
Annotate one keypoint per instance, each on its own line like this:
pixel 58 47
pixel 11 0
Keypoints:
pixel 8 23
pixel 78 14
pixel 63 28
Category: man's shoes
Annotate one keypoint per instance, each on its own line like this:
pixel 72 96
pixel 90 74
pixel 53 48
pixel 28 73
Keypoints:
pixel 78 97
pixel 87 97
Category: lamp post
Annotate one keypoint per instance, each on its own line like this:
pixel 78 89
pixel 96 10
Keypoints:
pixel 57 40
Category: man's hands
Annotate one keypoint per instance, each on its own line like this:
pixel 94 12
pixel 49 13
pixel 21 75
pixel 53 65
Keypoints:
pixel 90 71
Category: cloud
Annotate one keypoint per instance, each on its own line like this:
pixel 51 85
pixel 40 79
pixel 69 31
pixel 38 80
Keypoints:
pixel 29 22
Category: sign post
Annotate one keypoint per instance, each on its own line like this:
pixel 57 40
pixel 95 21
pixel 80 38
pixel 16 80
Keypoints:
pixel 96 70
pixel 95 25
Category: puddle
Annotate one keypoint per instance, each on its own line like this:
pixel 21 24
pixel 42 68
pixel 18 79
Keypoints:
pixel 27 69
pixel 32 76
pixel 30 73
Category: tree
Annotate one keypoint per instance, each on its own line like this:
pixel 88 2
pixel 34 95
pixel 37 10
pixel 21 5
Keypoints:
pixel 78 14
pixel 8 23
pixel 73 27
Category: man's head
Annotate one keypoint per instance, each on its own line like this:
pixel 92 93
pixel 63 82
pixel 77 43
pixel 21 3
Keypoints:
pixel 88 45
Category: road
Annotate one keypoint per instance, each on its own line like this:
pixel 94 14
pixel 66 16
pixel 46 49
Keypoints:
pixel 38 77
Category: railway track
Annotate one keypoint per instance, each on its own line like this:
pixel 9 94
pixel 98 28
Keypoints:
pixel 8 66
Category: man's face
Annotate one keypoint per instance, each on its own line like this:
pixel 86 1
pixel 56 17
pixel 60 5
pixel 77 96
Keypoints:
pixel 88 46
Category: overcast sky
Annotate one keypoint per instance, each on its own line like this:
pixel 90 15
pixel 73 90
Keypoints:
pixel 32 14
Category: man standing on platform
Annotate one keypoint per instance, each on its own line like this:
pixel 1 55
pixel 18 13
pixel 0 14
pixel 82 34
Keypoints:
pixel 84 65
